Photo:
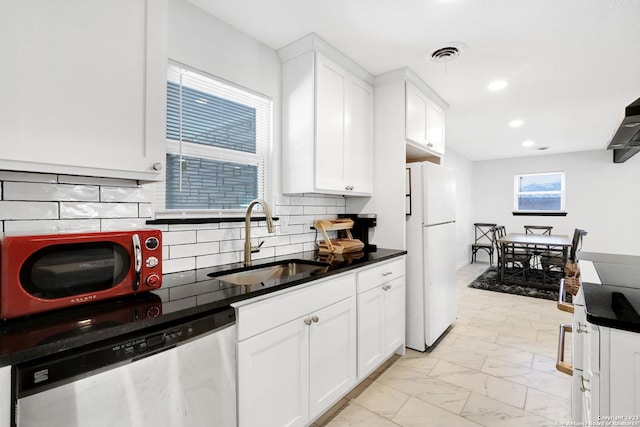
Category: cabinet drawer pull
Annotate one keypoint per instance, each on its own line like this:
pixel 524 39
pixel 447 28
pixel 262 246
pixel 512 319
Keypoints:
pixel 387 273
pixel 582 381
pixel 307 322
pixel 561 365
pixel 315 319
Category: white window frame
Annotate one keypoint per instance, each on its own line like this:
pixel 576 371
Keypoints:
pixel 562 192
pixel 262 158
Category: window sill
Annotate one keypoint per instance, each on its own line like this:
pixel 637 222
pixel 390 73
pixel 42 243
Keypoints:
pixel 171 221
pixel 523 213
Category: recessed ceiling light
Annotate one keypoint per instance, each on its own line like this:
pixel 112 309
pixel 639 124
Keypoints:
pixel 497 85
pixel 516 123
pixel 527 143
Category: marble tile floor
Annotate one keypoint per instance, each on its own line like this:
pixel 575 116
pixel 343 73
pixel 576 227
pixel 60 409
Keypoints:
pixel 494 367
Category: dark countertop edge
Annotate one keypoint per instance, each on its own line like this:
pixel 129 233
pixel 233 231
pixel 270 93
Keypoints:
pixel 169 319
pixel 613 323
pixel 598 312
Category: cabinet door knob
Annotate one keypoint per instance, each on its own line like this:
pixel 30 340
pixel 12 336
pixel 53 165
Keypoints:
pixel 157 166
pixel 315 319
pixel 307 322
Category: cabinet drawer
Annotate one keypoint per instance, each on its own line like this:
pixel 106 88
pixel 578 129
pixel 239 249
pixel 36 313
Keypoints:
pixel 263 315
pixel 380 274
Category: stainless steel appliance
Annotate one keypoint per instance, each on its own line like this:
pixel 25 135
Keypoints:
pixel 180 375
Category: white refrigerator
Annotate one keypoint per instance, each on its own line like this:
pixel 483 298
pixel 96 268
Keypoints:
pixel 431 267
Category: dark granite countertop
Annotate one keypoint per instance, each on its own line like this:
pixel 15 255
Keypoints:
pixel 612 306
pixel 183 296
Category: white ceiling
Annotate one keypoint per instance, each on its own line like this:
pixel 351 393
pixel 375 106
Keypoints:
pixel 572 65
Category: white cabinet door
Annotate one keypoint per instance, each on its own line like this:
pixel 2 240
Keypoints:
pixel 273 377
pixel 435 128
pixel 358 157
pixel 424 121
pixel 624 373
pixel 331 90
pixel 394 315
pixel 416 115
pixel 327 142
pixel 5 395
pixel 83 87
pixel 381 324
pixel 332 355
pixel 371 330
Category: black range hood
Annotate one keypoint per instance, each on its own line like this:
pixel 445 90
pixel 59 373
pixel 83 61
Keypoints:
pixel 625 142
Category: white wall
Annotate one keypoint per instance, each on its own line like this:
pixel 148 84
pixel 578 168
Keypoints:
pixel 601 197
pixel 464 211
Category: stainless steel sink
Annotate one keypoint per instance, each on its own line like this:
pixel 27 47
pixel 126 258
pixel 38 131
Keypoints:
pixel 272 271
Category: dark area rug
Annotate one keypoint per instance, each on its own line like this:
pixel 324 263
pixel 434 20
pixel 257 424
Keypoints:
pixel 536 285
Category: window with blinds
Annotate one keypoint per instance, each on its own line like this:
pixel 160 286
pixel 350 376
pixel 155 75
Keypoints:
pixel 218 137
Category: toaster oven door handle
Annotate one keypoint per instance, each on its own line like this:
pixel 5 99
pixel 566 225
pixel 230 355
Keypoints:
pixel 137 257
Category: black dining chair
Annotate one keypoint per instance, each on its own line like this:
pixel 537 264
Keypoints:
pixel 483 233
pixel 535 251
pixel 519 260
pixel 538 229
pixel 556 259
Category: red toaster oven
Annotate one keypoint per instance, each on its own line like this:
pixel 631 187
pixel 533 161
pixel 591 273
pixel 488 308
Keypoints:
pixel 47 272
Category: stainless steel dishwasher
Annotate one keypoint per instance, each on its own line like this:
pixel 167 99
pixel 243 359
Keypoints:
pixel 182 375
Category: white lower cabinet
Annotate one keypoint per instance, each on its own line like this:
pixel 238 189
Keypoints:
pixel 609 385
pixel 291 373
pixel 624 388
pixel 332 355
pixel 381 314
pixel 273 377
pixel 5 396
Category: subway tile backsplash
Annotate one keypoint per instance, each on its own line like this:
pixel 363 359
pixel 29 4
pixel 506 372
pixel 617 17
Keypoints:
pixel 32 203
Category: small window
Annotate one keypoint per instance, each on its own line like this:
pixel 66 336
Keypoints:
pixel 539 192
pixel 218 140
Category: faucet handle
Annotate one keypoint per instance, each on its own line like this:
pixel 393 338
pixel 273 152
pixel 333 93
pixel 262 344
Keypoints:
pixel 255 249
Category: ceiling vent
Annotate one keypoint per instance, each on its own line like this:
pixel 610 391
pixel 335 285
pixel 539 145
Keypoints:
pixel 447 52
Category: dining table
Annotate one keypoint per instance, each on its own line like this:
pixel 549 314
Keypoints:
pixel 558 242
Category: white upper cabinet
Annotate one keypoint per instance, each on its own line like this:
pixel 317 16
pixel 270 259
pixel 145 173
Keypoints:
pixel 416 119
pixel 83 87
pixel 327 121
pixel 407 108
pixel 424 121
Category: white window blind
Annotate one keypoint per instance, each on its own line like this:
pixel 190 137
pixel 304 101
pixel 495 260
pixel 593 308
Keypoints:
pixel 218 143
